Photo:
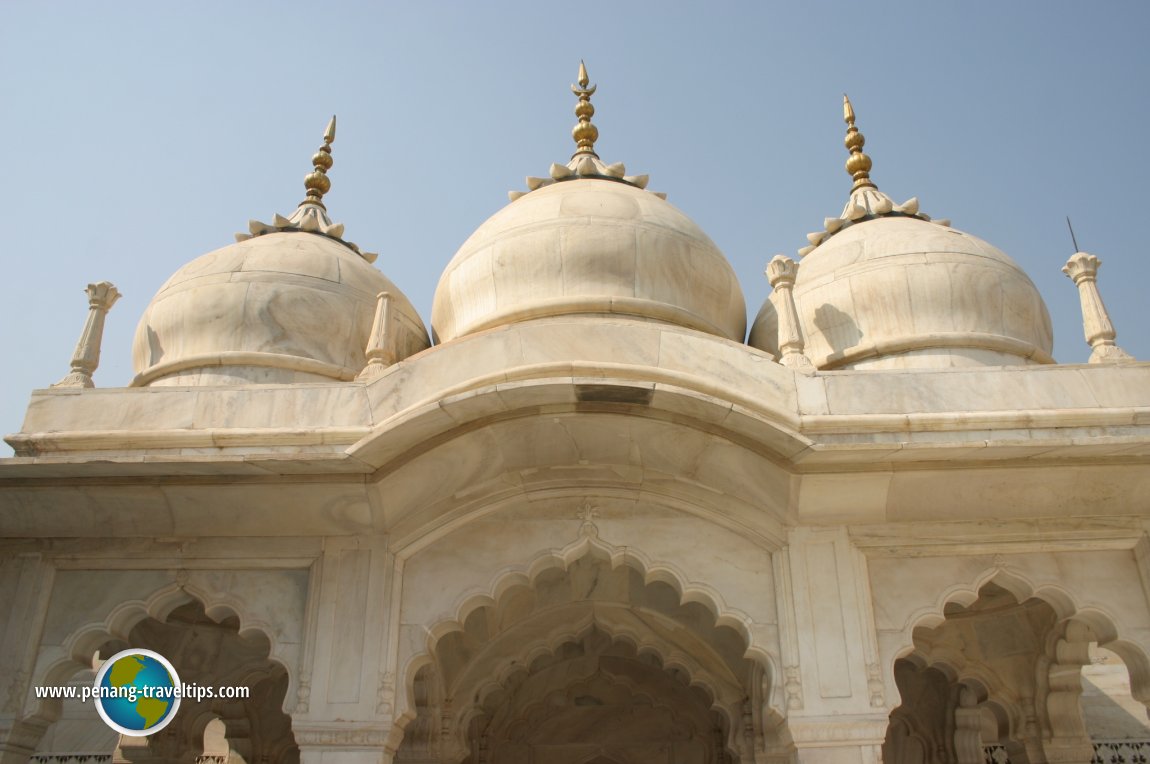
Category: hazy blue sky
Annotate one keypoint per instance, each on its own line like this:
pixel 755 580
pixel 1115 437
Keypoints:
pixel 139 136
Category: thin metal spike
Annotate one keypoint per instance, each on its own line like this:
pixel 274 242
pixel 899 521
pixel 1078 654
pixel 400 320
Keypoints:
pixel 1072 237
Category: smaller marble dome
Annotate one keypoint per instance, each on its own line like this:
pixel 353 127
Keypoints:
pixel 289 302
pixel 886 287
pixel 588 240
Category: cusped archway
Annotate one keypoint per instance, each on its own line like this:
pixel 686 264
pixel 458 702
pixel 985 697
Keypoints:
pixel 210 648
pixel 1000 663
pixel 586 657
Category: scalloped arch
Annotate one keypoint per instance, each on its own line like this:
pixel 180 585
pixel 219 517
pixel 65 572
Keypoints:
pixel 1060 599
pixel 630 685
pixel 79 646
pixel 1065 606
pixel 722 697
pixel 652 571
pixel 589 544
pixel 958 670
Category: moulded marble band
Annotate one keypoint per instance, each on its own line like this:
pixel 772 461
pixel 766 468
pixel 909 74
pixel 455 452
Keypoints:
pixel 42 443
pixel 585 305
pixel 938 340
pixel 245 358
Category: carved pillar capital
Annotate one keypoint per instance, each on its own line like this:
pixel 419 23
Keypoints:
pixel 103 295
pixel 1082 268
pixel 351 743
pixel 19 738
pixel 781 271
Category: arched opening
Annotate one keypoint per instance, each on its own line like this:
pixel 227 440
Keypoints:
pixel 78 731
pixel 1113 714
pixel 215 746
pixel 597 693
pixel 583 661
pixel 1000 678
pixel 917 730
pixel 205 652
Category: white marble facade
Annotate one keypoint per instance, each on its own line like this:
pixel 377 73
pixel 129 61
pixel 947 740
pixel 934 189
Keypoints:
pixel 591 524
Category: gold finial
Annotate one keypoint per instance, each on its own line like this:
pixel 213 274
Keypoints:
pixel 858 164
pixel 584 133
pixel 317 183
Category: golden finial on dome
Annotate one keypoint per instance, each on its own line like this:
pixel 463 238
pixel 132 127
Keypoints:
pixel 584 133
pixel 317 183
pixel 310 215
pixel 584 163
pixel 858 164
pixel 866 202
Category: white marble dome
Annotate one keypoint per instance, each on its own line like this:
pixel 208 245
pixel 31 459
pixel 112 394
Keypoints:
pixel 277 308
pixel 901 292
pixel 588 246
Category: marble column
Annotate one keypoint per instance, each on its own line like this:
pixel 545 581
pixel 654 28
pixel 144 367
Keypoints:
pixel 781 273
pixel 25 589
pixel 101 298
pixel 344 714
pixel 380 351
pixel 837 708
pixel 1082 268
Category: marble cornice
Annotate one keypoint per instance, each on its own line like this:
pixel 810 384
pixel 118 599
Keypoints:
pixel 805 422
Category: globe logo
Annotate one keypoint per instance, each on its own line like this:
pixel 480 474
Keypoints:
pixel 137 692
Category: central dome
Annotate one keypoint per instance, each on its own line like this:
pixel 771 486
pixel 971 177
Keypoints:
pixel 588 240
pixel 591 247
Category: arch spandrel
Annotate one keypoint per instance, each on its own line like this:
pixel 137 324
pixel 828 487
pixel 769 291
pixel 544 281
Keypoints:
pixel 469 565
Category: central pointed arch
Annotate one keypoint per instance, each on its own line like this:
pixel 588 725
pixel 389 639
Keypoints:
pixel 610 619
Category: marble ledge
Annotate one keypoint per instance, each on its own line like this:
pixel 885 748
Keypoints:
pixel 995 390
pixel 167 409
pixel 128 441
pixel 958 421
pixel 834 456
pixel 994 536
pixel 836 417
pixel 272 552
pixel 259 466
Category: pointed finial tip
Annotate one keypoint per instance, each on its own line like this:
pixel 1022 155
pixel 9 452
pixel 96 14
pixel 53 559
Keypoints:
pixel 584 133
pixel 316 182
pixel 858 164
